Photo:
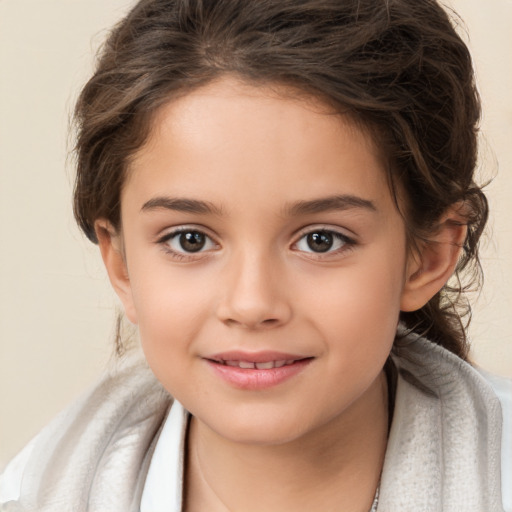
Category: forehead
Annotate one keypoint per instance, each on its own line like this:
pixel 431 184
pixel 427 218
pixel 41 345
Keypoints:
pixel 250 140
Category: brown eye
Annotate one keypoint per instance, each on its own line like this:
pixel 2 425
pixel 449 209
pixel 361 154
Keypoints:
pixel 187 241
pixel 324 241
pixel 192 241
pixel 320 241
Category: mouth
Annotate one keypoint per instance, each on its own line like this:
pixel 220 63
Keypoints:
pixel 264 365
pixel 257 371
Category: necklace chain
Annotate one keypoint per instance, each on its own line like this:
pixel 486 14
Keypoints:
pixel 375 500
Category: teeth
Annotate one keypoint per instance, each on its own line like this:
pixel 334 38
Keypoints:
pixel 245 364
pixel 265 366
pixel 268 365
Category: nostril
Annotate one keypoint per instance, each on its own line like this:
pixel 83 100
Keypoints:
pixel 268 322
pixel 252 311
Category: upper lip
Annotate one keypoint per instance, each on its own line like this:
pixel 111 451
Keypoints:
pixel 255 357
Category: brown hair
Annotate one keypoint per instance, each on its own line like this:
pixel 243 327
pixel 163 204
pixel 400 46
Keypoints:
pixel 397 66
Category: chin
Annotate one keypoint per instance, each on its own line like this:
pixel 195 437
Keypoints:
pixel 260 435
pixel 259 427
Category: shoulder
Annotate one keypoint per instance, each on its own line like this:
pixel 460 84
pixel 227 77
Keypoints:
pixel 117 419
pixel 446 404
pixel 502 386
pixel 10 479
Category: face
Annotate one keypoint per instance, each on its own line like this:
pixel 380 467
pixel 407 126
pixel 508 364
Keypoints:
pixel 265 260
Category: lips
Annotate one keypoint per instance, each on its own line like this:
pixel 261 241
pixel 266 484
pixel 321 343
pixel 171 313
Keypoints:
pixel 263 356
pixel 250 365
pixel 257 371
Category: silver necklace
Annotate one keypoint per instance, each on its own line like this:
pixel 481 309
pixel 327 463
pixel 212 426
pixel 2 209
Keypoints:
pixel 375 500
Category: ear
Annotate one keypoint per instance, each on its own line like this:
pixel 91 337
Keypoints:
pixel 111 247
pixel 430 267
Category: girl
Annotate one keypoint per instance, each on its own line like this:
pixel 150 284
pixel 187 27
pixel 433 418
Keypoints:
pixel 280 191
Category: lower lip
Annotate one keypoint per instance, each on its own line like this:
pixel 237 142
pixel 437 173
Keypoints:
pixel 254 379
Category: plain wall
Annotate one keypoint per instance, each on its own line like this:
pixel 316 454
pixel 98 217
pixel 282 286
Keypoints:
pixel 56 307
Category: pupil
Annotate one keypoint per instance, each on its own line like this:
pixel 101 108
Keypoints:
pixel 192 241
pixel 320 241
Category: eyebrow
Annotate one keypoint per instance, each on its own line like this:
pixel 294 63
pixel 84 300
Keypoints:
pixel 181 205
pixel 338 202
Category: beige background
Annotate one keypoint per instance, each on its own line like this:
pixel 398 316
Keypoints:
pixel 56 308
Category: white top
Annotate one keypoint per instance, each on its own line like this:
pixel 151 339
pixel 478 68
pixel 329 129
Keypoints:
pixel 503 389
pixel 163 489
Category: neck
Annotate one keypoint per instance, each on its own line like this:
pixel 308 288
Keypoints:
pixel 336 467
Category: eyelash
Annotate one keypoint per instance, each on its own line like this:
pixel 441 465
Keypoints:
pixel 165 240
pixel 347 243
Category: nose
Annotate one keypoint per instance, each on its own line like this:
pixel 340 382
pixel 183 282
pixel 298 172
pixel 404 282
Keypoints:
pixel 254 294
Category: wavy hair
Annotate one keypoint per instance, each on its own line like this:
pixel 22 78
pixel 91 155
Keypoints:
pixel 396 66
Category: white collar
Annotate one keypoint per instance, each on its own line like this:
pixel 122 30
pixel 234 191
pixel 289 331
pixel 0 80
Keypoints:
pixel 163 489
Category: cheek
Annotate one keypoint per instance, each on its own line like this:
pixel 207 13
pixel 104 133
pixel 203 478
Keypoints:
pixel 169 313
pixel 357 309
pixel 171 304
pixel 356 293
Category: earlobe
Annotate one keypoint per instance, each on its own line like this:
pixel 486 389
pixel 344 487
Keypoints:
pixel 434 263
pixel 110 244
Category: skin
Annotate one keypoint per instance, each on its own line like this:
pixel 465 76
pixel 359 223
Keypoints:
pixel 248 159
